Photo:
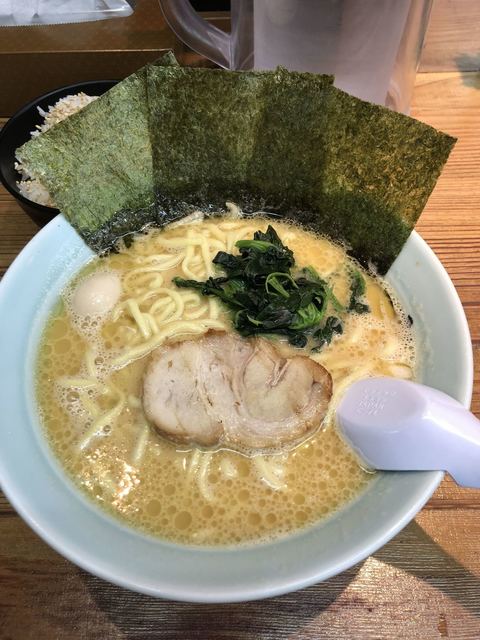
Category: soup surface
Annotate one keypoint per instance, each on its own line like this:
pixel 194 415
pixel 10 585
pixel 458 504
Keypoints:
pixel 89 390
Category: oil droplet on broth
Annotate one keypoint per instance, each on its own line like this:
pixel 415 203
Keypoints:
pixel 166 500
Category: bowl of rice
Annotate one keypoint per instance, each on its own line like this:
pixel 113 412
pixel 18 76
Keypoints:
pixel 32 120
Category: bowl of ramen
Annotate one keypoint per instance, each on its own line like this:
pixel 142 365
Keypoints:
pixel 161 515
pixel 171 402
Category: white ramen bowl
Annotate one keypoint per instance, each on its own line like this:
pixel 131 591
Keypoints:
pixel 45 497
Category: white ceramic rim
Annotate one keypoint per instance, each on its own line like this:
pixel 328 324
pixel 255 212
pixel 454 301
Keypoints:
pixel 419 487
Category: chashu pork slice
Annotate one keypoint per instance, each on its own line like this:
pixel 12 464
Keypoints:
pixel 237 392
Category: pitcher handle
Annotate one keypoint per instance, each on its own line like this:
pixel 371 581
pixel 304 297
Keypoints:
pixel 197 33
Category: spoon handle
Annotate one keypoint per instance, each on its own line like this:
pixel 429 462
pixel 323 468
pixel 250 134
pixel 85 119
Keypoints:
pixel 399 425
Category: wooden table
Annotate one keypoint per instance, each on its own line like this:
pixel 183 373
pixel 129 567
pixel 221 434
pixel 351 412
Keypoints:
pixel 424 584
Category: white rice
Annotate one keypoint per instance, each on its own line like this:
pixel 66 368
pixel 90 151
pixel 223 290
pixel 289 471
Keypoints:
pixel 29 186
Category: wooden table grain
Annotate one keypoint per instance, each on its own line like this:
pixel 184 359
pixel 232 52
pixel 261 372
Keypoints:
pixel 423 585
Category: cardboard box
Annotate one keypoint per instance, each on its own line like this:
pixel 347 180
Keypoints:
pixel 38 59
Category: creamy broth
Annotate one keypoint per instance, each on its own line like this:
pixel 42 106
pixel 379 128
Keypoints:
pixel 89 389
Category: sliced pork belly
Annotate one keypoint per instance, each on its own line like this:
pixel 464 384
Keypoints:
pixel 241 393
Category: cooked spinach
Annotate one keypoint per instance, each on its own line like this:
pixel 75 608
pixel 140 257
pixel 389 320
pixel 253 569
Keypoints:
pixel 265 297
pixel 357 291
pixel 326 333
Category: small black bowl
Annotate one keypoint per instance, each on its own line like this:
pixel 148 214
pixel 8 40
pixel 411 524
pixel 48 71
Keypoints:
pixel 17 131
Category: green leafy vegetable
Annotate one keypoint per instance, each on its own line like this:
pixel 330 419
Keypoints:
pixel 357 291
pixel 326 333
pixel 273 283
pixel 264 296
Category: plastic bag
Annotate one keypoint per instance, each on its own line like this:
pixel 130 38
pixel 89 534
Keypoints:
pixel 34 12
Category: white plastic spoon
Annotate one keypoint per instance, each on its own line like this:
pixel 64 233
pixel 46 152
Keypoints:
pixel 398 425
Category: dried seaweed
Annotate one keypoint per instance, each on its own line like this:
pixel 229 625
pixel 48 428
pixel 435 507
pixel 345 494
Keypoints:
pixel 284 142
pixel 292 144
pixel 379 170
pixel 97 164
pixel 220 136
pixel 287 164
pixel 204 125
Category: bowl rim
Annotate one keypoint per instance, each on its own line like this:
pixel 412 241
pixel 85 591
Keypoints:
pixel 86 558
pixel 42 208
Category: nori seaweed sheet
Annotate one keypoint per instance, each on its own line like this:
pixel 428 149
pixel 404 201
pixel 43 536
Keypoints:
pixel 362 174
pixel 97 164
pixel 203 124
pixel 379 170
pixel 355 171
pixel 287 164
pixel 218 143
pixel 283 142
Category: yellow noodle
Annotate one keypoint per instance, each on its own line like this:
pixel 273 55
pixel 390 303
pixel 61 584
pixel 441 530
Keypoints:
pixel 147 270
pixel 176 298
pixel 135 277
pixel 117 311
pixel 237 234
pixel 198 313
pixel 207 258
pixel 89 405
pixel 141 445
pixel 134 402
pixel 234 210
pixel 190 297
pixel 192 241
pixel 269 473
pixel 138 317
pixel 173 330
pixel 150 280
pixel 160 303
pixel 400 370
pixel 228 225
pixel 162 262
pixel 357 374
pixel 90 363
pixel 77 383
pixel 389 348
pixel 150 293
pixel 193 218
pixel 100 423
pixel 218 233
pixel 194 462
pixel 214 308
pixel 228 469
pixel 203 484
pixel 166 313
pixel 151 321
pixel 130 334
pixel 189 254
pixel 200 272
pixel 337 364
